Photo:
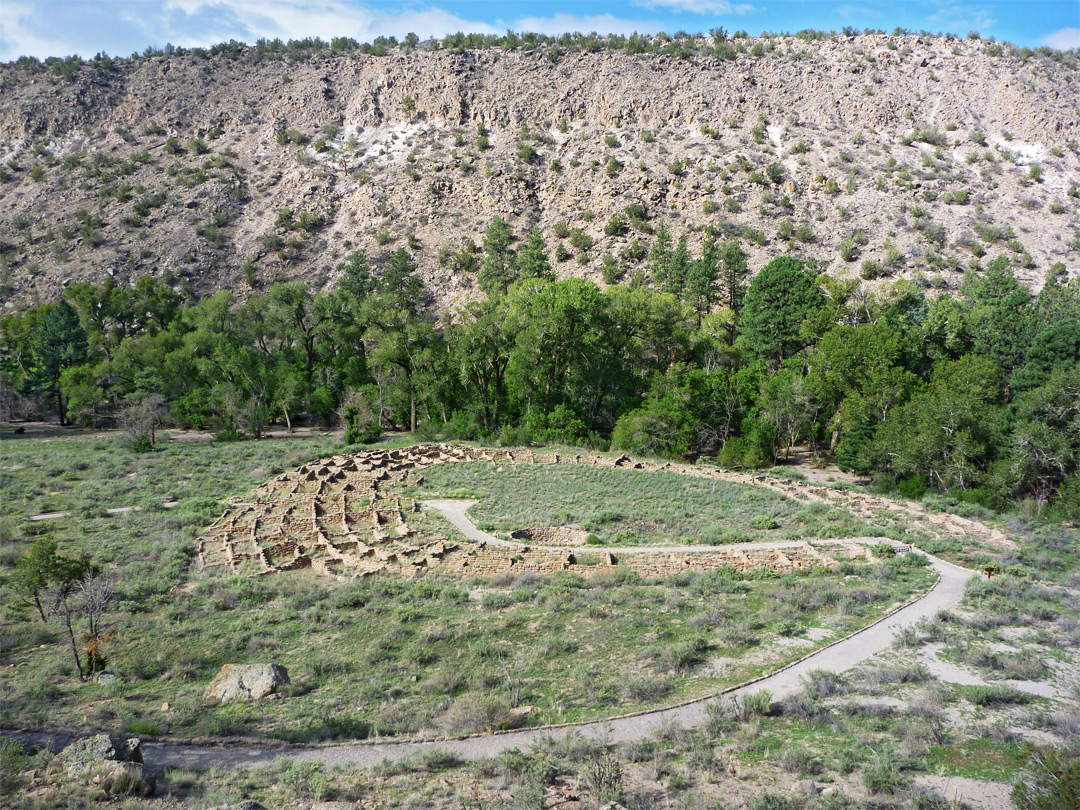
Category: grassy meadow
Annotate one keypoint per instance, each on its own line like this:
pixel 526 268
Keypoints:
pixel 632 507
pixel 379 656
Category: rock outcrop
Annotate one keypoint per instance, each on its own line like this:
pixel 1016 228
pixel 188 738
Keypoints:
pixel 246 682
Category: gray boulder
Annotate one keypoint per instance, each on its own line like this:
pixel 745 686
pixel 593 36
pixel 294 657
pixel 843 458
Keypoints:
pixel 124 779
pixel 101 748
pixel 112 762
pixel 246 682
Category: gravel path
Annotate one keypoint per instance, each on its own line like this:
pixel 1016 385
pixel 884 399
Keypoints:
pixel 838 657
pixel 454 510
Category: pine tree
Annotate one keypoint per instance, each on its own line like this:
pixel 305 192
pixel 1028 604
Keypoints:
pixel 59 344
pixel 660 255
pixel 533 261
pixel 701 290
pixel 678 268
pixel 499 270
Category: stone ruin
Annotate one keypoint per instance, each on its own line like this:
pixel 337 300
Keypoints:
pixel 552 536
pixel 343 517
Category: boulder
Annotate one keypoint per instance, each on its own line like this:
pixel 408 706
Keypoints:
pixel 124 779
pixel 246 682
pixel 101 748
pixel 112 762
pixel 246 804
pixel 805 786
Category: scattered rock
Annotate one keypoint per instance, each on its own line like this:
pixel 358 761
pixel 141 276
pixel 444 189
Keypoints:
pixel 246 682
pixel 108 678
pixel 246 804
pixel 807 787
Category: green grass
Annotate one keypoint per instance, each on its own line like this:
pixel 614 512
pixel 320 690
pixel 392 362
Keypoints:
pixel 978 759
pixel 382 655
pixel 629 507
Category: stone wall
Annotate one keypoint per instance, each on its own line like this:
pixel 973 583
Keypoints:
pixel 342 517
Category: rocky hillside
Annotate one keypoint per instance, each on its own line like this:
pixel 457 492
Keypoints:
pixel 879 156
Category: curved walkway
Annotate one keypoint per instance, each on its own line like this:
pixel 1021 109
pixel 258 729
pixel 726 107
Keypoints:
pixel 454 510
pixel 837 657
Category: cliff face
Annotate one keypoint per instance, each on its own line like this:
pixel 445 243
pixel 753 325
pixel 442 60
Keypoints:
pixel 879 156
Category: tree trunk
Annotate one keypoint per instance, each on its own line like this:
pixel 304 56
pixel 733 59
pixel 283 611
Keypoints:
pixel 40 607
pixel 71 638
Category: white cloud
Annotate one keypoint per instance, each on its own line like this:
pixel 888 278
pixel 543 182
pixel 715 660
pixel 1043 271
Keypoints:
pixel 961 17
pixel 122 26
pixel 600 23
pixel 1065 39
pixel 713 7
pixel 856 13
pixel 20 33
pixel 297 19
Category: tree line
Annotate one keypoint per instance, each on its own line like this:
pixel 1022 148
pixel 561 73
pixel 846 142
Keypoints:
pixel 718 43
pixel 975 393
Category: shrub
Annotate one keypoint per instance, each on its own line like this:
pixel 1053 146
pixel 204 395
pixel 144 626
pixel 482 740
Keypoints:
pixel 580 240
pixel 757 704
pixel 796 759
pixel 764 522
pixel 1050 781
pixel 884 775
pixel 618 225
pixel 287 136
pixel 995 695
pixel 475 712
pixel 526 152
pixel 931 135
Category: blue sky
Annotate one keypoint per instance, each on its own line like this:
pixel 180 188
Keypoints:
pixel 60 27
